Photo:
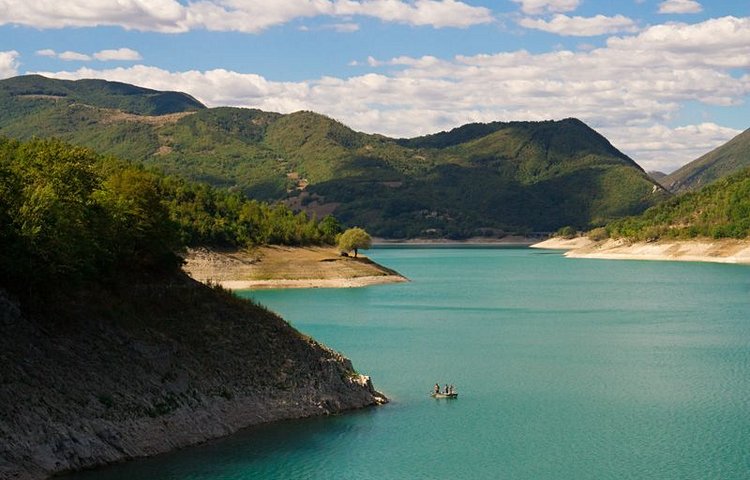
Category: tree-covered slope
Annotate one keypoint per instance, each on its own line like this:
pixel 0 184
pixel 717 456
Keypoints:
pixel 35 90
pixel 68 215
pixel 479 178
pixel 725 160
pixel 719 210
pixel 107 350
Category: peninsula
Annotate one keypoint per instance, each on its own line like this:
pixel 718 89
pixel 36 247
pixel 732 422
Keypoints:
pixel 285 267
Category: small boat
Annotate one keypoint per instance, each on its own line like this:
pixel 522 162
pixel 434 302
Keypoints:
pixel 444 395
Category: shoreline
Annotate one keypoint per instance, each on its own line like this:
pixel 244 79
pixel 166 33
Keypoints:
pixel 285 267
pixel 729 251
pixel 509 241
pixel 355 282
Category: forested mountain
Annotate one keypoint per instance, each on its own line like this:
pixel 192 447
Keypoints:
pixel 719 210
pixel 725 160
pixel 479 178
pixel 37 91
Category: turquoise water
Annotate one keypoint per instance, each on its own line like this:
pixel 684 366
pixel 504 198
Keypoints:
pixel 567 369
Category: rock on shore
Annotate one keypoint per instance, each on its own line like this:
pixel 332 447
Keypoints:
pixel 105 376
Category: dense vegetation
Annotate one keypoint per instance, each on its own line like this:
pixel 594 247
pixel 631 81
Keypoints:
pixel 720 210
pixel 477 179
pixel 68 215
pixel 725 160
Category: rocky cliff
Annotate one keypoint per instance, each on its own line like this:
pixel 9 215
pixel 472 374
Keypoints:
pixel 105 375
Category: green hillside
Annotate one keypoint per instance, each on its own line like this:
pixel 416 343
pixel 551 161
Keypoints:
pixel 725 160
pixel 35 90
pixel 476 179
pixel 719 210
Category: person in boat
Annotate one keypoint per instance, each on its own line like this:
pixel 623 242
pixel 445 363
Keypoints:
pixel 437 388
pixel 446 389
pixel 450 389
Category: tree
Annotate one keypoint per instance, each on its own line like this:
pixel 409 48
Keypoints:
pixel 354 239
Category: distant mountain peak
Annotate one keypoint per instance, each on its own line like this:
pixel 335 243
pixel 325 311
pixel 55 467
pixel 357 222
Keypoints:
pixel 102 93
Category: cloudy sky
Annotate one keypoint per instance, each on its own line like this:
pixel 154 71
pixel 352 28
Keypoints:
pixel 664 80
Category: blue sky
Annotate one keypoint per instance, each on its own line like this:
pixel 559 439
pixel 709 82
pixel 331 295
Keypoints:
pixel 664 80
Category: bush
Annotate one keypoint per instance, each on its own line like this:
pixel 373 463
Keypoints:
pixel 566 232
pixel 598 234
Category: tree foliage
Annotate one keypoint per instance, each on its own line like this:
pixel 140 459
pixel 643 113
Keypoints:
pixel 354 239
pixel 70 215
pixel 64 220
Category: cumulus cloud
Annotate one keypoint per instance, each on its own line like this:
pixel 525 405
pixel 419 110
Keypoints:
pixel 8 64
pixel 70 56
pixel 680 6
pixel 536 7
pixel 121 54
pixel 47 52
pixel 630 89
pixel 250 16
pixel 581 26
pixel 665 149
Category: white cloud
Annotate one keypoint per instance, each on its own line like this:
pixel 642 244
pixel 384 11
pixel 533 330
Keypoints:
pixel 73 56
pixel 680 6
pixel 8 64
pixel 436 13
pixel 629 89
pixel 122 54
pixel 536 7
pixel 720 42
pixel 47 52
pixel 250 16
pixel 658 147
pixel 581 26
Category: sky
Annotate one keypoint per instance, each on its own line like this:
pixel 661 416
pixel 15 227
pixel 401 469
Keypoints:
pixel 664 80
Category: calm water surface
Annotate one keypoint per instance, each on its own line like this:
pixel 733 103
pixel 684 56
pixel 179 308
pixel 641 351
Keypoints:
pixel 567 369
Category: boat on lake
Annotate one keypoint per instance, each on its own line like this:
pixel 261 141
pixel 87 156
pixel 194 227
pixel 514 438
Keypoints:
pixel 444 395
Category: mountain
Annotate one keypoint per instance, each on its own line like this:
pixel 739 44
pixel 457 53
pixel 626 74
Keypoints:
pixel 36 90
pixel 718 210
pixel 731 157
pixel 476 179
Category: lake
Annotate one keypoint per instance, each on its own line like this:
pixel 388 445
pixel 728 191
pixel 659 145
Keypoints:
pixel 565 368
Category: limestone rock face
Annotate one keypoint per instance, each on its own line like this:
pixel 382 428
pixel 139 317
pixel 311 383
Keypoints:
pixel 183 365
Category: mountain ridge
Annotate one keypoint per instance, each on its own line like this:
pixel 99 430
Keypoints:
pixel 720 162
pixel 488 179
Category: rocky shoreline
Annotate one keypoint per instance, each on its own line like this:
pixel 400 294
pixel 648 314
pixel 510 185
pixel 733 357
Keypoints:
pixel 699 250
pixel 181 365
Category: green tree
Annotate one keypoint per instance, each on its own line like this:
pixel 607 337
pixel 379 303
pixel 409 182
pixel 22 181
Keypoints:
pixel 329 228
pixel 354 239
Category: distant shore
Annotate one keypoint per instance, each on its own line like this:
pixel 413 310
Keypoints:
pixel 286 267
pixel 509 241
pixel 697 250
